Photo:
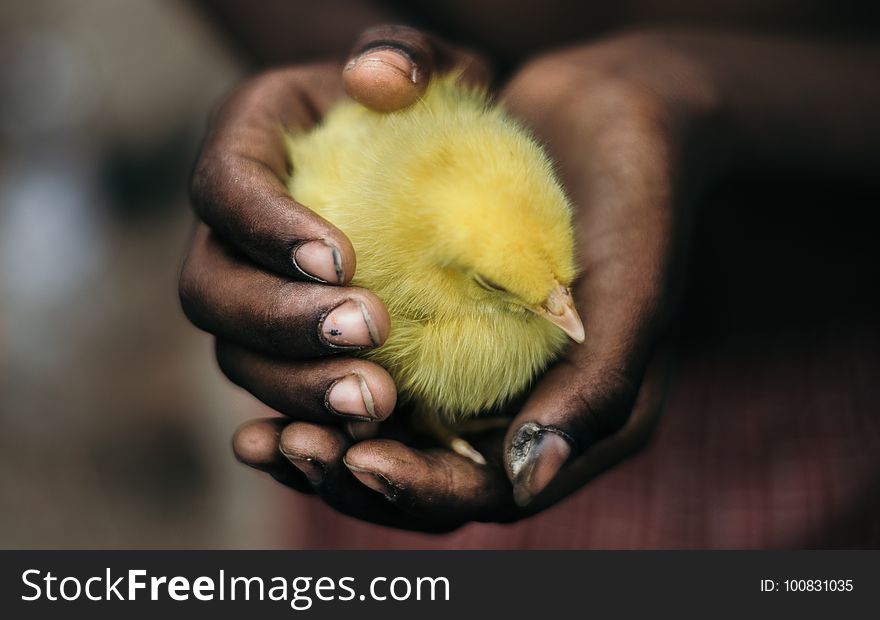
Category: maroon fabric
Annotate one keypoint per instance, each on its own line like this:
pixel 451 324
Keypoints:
pixel 771 431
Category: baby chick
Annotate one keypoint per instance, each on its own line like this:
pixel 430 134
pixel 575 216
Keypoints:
pixel 463 231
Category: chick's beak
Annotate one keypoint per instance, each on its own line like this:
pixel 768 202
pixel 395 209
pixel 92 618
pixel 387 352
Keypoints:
pixel 559 309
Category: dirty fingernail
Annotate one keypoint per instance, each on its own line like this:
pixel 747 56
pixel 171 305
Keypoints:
pixel 320 260
pixel 350 325
pixel 312 469
pixel 393 61
pixel 374 481
pixel 536 455
pixel 384 79
pixel 350 396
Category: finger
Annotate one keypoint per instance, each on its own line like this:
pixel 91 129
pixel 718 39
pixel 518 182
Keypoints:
pixel 612 449
pixel 574 405
pixel 619 168
pixel 590 394
pixel 255 444
pixel 390 66
pixel 238 186
pixel 574 408
pixel 318 452
pixel 225 294
pixel 435 485
pixel 330 390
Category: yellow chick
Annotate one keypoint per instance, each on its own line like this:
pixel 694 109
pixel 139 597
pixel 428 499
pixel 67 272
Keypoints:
pixel 462 229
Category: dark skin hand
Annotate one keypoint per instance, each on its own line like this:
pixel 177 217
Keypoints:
pixel 638 124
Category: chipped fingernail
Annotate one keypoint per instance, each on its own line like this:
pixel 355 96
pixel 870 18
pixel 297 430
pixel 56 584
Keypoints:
pixel 536 455
pixel 374 481
pixel 311 468
pixel 351 396
pixel 385 60
pixel 350 325
pixel 320 260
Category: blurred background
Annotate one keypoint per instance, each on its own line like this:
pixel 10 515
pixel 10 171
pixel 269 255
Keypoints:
pixel 114 420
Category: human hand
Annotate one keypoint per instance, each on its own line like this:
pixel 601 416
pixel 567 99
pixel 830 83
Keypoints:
pixel 266 275
pixel 620 135
pixel 617 143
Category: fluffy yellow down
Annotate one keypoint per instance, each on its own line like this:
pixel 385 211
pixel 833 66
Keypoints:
pixel 459 224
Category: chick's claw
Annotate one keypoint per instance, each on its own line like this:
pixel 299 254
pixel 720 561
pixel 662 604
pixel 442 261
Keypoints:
pixel 434 425
pixel 463 448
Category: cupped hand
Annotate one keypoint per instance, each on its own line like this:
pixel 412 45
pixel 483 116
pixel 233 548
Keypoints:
pixel 620 118
pixel 620 130
pixel 267 276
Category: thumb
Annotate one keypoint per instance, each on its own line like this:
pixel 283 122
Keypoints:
pixel 390 66
pixel 577 403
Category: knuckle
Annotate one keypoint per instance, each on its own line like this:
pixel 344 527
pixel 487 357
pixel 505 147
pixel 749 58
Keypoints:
pixel 191 293
pixel 543 81
pixel 446 480
pixel 213 182
pixel 206 184
pixel 625 105
pixel 279 323
pixel 202 176
pixel 227 361
pixel 291 440
pixel 601 80
pixel 313 441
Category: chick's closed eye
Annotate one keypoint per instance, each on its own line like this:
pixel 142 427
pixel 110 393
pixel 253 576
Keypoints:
pixel 487 284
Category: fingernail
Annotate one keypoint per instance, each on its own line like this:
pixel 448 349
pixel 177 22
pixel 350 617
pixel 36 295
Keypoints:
pixel 385 59
pixel 312 469
pixel 350 396
pixel 350 325
pixel 374 481
pixel 361 430
pixel 320 260
pixel 384 79
pixel 536 455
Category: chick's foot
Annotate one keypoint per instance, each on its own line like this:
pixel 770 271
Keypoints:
pixel 449 434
